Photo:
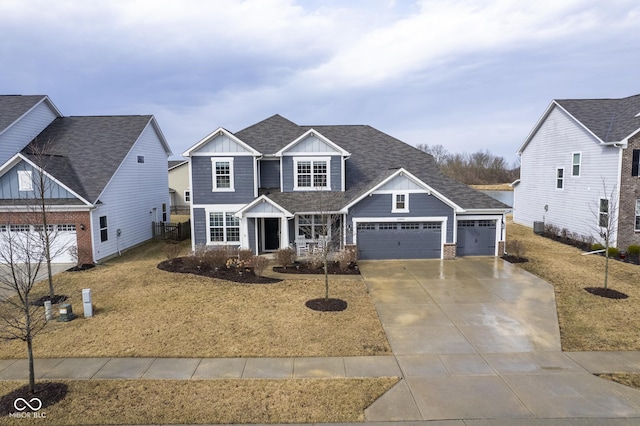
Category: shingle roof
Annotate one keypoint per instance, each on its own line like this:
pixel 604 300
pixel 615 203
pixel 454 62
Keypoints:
pixel 85 152
pixel 611 120
pixel 374 156
pixel 13 107
pixel 174 163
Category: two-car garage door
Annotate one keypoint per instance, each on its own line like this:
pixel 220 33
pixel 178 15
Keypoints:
pixel 399 240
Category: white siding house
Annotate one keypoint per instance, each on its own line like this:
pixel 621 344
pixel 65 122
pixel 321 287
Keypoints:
pixel 571 160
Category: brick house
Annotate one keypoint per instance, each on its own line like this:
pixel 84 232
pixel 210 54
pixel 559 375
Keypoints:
pixel 578 148
pixel 103 178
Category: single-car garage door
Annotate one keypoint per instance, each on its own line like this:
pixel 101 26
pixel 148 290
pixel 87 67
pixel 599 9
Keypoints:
pixel 399 240
pixel 476 238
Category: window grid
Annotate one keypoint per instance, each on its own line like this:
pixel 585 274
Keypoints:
pixel 224 227
pixel 410 226
pixel 366 226
pixel 104 231
pixel 603 221
pixel 312 174
pixel 486 223
pixel 223 174
pixel 387 226
pixel 311 227
pixel 560 179
pixel 466 223
pixel 20 228
pixel 575 170
pixel 67 227
pixel 187 196
pixel 433 225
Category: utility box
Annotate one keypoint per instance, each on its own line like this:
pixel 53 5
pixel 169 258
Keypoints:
pixel 66 313
pixel 538 228
pixel 87 302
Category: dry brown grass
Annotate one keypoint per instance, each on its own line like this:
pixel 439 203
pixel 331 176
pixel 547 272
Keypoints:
pixel 210 401
pixel 141 311
pixel 175 218
pixel 627 379
pixel 587 322
pixel 496 187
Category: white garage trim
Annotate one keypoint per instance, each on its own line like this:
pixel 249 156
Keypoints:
pixel 441 219
pixel 497 218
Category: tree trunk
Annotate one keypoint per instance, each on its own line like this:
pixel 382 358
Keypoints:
pixel 326 277
pixel 29 339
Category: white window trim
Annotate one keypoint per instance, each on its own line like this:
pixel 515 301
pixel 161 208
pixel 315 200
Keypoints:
pixel 314 224
pixel 636 215
pixel 224 229
pixel 229 160
pixel 187 194
pixel 563 178
pixel 25 180
pixel 574 164
pixel 296 160
pixel 394 208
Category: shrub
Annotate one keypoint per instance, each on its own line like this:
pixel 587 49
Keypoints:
pixel 172 250
pixel 246 255
pixel 597 246
pixel 345 258
pixel 515 248
pixel 633 250
pixel 195 260
pixel 551 230
pixel 259 265
pixel 613 252
pixel 217 258
pixel 315 260
pixel 285 256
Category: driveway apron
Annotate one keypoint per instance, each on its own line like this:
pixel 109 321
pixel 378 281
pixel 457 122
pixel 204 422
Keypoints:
pixel 478 338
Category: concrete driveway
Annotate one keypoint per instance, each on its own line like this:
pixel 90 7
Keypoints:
pixel 477 338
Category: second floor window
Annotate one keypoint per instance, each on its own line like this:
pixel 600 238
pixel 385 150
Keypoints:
pixel 311 174
pixel 222 174
pixel 575 169
pixel 635 161
pixel 603 221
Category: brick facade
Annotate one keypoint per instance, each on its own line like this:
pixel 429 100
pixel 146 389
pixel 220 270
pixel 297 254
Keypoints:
pixel 449 251
pixel 80 219
pixel 629 193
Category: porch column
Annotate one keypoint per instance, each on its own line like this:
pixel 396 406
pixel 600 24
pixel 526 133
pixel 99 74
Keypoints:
pixel 284 232
pixel 244 232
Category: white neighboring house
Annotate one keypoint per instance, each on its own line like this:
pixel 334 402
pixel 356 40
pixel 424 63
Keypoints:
pixel 106 176
pixel 575 147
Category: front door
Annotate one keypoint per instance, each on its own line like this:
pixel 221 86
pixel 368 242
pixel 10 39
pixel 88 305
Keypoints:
pixel 271 234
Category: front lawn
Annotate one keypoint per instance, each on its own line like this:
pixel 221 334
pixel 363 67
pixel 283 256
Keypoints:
pixel 587 322
pixel 141 311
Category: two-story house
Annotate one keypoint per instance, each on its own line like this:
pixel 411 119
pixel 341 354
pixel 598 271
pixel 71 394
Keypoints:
pixel 275 182
pixel 579 168
pixel 103 178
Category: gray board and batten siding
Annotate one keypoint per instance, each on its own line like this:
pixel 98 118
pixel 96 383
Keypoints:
pixel 9 189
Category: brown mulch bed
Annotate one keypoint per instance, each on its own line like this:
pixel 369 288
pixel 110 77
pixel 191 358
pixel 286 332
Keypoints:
pixel 514 259
pixel 609 293
pixel 243 275
pixel 326 305
pixel 304 268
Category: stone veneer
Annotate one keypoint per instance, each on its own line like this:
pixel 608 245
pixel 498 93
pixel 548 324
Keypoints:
pixel 449 251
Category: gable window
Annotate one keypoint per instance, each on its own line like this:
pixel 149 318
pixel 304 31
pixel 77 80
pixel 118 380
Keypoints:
pixel 311 226
pixel 637 228
pixel 141 159
pixel 603 219
pixel 224 227
pixel 222 174
pixel 187 196
pixel 400 203
pixel 104 232
pixel 311 173
pixel 634 162
pixel 25 183
pixel 559 178
pixel 575 168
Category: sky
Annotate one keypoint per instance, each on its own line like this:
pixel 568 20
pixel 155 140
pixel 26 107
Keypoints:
pixel 466 74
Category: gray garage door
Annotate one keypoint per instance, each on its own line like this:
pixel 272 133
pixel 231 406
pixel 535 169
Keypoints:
pixel 405 240
pixel 476 238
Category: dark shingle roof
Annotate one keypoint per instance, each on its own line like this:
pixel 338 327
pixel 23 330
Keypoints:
pixel 174 163
pixel 13 107
pixel 85 152
pixel 374 156
pixel 611 120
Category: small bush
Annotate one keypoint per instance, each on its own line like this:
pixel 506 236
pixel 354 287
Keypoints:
pixel 597 246
pixel 172 250
pixel 259 265
pixel 315 260
pixel 195 260
pixel 515 248
pixel 613 252
pixel 551 230
pixel 285 256
pixel 345 258
pixel 633 250
pixel 246 255
pixel 217 258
